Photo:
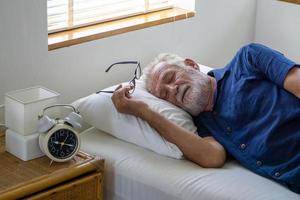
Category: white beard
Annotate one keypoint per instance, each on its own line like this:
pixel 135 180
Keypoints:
pixel 196 100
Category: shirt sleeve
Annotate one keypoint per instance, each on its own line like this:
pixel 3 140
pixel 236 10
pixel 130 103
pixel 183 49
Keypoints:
pixel 272 64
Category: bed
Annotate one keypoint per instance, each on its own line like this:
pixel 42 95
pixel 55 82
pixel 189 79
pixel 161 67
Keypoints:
pixel 136 173
pixel 132 172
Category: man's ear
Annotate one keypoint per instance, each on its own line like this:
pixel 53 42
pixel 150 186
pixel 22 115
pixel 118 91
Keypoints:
pixel 191 63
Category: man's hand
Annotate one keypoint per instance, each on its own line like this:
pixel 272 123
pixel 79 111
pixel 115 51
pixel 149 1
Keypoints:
pixel 124 103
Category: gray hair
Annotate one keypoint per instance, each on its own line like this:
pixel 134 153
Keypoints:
pixel 170 59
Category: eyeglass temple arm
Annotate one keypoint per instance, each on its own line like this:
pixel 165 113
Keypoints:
pixel 125 62
pixel 103 91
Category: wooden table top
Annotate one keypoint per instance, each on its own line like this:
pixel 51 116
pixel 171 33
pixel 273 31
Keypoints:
pixel 16 173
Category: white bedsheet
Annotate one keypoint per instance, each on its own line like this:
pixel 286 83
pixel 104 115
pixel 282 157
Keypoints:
pixel 134 173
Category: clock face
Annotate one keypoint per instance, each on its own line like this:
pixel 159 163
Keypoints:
pixel 62 143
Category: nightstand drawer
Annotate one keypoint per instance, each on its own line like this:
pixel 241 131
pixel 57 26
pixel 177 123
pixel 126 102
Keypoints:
pixel 89 187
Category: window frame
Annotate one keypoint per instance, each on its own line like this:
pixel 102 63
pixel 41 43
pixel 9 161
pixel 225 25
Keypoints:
pixel 291 1
pixel 70 13
pixel 102 30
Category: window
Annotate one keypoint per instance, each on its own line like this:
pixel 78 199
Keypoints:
pixel 70 14
pixel 72 22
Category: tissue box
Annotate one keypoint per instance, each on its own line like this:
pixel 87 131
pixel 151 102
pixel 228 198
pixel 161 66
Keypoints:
pixel 23 106
pixel 23 147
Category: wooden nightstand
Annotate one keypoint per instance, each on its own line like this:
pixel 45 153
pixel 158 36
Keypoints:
pixel 81 178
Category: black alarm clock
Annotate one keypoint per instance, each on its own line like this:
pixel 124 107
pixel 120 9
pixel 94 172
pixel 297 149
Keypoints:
pixel 58 139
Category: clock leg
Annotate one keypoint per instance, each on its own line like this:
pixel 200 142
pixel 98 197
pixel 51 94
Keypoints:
pixel 50 163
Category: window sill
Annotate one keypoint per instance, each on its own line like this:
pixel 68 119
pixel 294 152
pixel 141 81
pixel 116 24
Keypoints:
pixel 102 30
pixel 292 1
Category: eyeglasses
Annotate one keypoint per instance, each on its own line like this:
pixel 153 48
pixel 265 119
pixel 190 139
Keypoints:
pixel 137 75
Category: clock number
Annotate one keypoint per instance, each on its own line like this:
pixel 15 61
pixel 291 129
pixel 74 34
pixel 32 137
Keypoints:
pixel 62 154
pixel 71 136
pixel 62 143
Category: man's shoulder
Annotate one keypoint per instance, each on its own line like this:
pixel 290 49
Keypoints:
pixel 218 73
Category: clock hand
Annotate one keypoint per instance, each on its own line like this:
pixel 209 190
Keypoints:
pixel 62 143
pixel 66 138
pixel 70 145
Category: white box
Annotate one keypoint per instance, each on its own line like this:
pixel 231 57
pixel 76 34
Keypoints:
pixel 22 108
pixel 23 147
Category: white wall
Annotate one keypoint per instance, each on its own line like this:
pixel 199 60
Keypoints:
pixel 278 26
pixel 218 30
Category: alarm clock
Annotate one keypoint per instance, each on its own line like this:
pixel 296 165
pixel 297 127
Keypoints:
pixel 58 138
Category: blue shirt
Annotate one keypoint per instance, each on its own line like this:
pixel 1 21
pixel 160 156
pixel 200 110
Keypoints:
pixel 254 117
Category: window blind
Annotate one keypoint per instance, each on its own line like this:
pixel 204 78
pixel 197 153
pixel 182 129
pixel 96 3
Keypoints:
pixel 70 14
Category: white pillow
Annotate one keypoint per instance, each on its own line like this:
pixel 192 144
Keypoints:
pixel 99 111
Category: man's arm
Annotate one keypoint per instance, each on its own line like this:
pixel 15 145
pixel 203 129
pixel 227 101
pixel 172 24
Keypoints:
pixel 272 64
pixel 205 152
pixel 292 81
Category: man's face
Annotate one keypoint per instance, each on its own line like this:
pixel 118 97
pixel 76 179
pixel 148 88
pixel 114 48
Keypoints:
pixel 186 87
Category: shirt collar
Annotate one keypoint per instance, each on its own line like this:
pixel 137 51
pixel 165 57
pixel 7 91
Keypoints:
pixel 218 74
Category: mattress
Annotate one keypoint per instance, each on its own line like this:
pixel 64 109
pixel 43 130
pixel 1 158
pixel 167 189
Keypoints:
pixel 134 173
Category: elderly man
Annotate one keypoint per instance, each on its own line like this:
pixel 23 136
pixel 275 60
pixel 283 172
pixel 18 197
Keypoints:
pixel 251 108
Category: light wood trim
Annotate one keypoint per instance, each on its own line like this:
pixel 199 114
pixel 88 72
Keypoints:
pixel 292 1
pixel 57 177
pixel 106 29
